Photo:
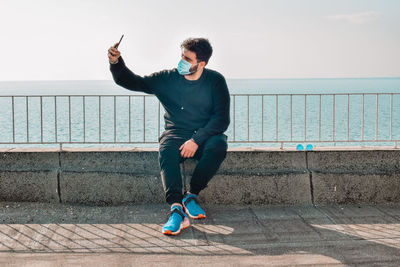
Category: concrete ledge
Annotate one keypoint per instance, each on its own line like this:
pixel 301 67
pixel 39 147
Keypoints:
pixel 110 188
pixel 248 176
pixel 258 189
pixel 29 176
pixel 38 186
pixel 263 162
pixel 366 176
pixel 257 177
pixel 143 162
pixel 361 161
pixel 30 161
pixel 349 188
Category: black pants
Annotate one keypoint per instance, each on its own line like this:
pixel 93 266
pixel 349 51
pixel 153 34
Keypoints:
pixel 210 155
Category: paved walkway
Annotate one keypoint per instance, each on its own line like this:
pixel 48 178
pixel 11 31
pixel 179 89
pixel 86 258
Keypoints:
pixel 39 234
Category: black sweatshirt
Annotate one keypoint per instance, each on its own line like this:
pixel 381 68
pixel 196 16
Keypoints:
pixel 199 107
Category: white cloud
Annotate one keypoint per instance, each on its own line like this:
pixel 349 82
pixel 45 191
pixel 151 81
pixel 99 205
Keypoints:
pixel 358 18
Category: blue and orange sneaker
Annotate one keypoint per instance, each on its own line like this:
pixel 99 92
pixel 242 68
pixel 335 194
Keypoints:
pixel 177 221
pixel 192 208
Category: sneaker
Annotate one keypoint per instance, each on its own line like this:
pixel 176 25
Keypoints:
pixel 192 208
pixel 176 222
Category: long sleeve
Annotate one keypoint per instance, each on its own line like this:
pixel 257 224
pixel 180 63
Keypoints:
pixel 131 81
pixel 220 117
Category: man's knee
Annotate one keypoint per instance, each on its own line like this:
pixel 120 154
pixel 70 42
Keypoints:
pixel 217 144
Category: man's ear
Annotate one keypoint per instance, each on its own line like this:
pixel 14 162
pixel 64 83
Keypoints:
pixel 202 64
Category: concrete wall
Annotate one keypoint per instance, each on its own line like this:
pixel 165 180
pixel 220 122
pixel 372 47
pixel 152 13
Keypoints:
pixel 256 176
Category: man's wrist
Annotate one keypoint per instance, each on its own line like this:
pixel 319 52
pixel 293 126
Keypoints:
pixel 114 62
pixel 193 141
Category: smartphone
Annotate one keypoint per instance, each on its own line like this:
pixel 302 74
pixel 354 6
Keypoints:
pixel 116 46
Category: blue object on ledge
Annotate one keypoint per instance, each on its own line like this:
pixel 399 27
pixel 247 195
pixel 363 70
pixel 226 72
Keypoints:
pixel 299 147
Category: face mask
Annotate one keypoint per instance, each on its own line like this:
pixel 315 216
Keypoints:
pixel 184 67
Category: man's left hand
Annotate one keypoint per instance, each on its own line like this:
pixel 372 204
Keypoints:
pixel 188 148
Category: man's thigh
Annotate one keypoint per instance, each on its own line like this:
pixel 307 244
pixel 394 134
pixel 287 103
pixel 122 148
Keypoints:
pixel 169 149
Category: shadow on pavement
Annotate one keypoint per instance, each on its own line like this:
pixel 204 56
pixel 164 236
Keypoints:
pixel 347 234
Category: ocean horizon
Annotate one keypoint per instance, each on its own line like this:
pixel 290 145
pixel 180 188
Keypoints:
pixel 268 85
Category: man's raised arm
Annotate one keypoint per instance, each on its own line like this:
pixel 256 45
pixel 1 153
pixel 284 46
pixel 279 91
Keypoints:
pixel 126 78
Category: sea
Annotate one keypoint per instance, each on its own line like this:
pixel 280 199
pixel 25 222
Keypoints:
pixel 261 114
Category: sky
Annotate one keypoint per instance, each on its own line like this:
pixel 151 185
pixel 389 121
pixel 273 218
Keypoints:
pixel 69 39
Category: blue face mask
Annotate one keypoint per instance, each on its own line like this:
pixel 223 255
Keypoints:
pixel 184 67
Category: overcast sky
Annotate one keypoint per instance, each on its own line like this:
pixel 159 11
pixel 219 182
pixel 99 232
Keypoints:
pixel 69 39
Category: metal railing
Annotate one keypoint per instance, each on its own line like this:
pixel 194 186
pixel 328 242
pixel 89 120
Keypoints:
pixel 13 132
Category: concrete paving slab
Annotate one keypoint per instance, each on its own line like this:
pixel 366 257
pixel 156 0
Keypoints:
pixel 389 209
pixel 351 210
pixel 276 212
pixel 308 212
pixel 60 234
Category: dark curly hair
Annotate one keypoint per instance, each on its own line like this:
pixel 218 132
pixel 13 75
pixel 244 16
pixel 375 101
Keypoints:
pixel 200 46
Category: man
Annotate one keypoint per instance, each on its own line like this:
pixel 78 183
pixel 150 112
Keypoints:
pixel 196 102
